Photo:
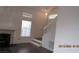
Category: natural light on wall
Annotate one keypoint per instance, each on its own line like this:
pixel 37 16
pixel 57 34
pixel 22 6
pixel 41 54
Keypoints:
pixel 53 16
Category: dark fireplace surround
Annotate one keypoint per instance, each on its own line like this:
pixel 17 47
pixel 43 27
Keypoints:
pixel 5 39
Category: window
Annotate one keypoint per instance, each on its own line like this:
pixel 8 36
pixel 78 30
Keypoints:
pixel 27 15
pixel 26 28
pixel 53 16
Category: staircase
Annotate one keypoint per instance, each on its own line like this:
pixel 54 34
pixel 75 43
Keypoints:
pixel 37 42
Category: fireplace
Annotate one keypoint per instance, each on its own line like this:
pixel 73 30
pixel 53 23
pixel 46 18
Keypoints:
pixel 5 39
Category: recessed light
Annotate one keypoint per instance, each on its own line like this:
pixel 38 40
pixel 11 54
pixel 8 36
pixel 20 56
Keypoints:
pixel 46 14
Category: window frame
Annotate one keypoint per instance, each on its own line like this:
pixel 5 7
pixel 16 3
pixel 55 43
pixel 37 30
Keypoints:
pixel 30 28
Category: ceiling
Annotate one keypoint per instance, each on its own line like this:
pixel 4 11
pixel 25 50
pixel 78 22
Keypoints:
pixel 29 7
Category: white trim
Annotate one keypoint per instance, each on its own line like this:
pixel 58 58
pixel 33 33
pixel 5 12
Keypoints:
pixel 36 44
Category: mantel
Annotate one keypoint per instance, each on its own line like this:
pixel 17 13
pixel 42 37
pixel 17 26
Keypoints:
pixel 7 29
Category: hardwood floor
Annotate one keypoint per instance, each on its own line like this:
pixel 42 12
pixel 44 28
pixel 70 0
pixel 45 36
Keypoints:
pixel 24 48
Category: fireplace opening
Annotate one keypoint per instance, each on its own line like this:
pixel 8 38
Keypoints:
pixel 5 39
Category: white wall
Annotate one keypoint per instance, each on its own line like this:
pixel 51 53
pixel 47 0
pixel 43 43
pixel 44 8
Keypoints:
pixel 5 19
pixel 10 19
pixel 38 22
pixel 17 17
pixel 67 29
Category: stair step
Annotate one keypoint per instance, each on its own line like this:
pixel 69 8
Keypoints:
pixel 37 40
pixel 40 39
pixel 36 44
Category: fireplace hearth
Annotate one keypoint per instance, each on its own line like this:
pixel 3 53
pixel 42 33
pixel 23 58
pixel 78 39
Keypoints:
pixel 5 39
